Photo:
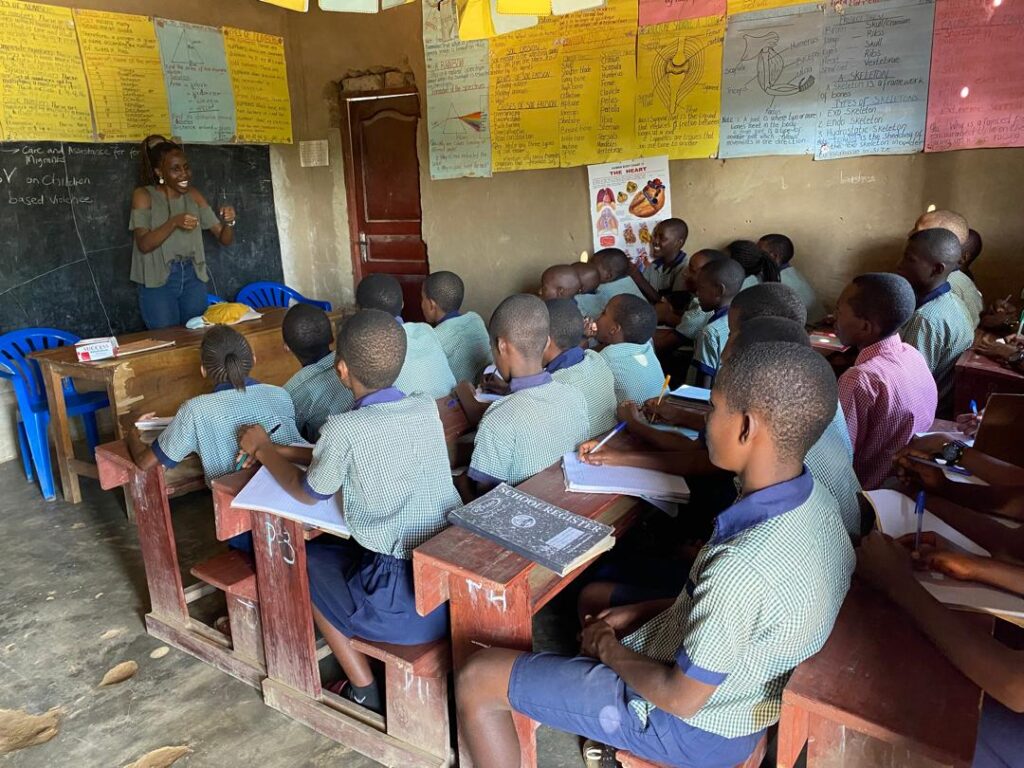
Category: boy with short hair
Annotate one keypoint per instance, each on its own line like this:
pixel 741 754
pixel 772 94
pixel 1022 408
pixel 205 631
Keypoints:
pixel 590 304
pixel 462 335
pixel 888 395
pixel 766 300
pixel 308 335
pixel 540 419
pixel 717 283
pixel 387 456
pixel 585 371
pixel 665 274
pixel 960 282
pixel 780 250
pixel 559 281
pixel 697 680
pixel 625 329
pixel 613 265
pixel 939 328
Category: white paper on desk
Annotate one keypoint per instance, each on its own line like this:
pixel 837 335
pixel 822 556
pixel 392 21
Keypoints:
pixel 692 393
pixel 264 494
pixel 581 477
pixel 963 438
pixel 896 518
pixel 691 434
pixel 486 397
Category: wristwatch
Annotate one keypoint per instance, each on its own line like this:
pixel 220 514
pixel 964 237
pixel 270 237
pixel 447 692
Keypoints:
pixel 1015 358
pixel 952 452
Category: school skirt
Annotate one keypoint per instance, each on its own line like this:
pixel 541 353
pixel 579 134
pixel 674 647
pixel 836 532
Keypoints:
pixel 369 595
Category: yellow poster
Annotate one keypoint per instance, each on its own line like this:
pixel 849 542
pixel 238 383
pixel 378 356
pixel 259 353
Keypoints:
pixel 525 85
pixel 259 79
pixel 525 7
pixel 43 95
pixel 598 84
pixel 679 81
pixel 292 5
pixel 745 6
pixel 126 82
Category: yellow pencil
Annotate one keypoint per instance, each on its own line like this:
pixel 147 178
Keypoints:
pixel 664 389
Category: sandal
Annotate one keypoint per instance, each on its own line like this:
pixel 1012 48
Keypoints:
pixel 598 755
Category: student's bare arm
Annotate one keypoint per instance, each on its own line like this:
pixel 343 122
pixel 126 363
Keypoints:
pixel 641 282
pixel 255 441
pixel 691 462
pixel 141 453
pixel 994 667
pixel 1001 540
pixel 472 407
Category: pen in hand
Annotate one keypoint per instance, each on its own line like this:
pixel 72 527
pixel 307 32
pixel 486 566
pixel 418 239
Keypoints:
pixel 919 513
pixel 618 428
pixel 245 456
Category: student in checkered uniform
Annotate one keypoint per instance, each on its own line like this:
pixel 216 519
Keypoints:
pixel 717 283
pixel 961 284
pixel 583 370
pixel 462 335
pixel 613 265
pixel 939 329
pixel 591 305
pixel 426 368
pixel 387 456
pixel 308 335
pixel 207 425
pixel 697 679
pixel 779 249
pixel 540 419
pixel 625 328
pixel 665 274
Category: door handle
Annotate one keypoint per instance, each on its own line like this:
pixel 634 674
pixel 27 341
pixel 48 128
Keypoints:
pixel 363 245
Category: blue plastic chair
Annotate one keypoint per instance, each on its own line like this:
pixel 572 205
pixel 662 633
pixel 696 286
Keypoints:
pixel 268 294
pixel 33 409
pixel 211 299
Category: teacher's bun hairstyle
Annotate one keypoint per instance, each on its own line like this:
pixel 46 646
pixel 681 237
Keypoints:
pixel 226 356
pixel 151 154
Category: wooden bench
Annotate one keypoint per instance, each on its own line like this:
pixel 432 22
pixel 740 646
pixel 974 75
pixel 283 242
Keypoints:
pixel 168 617
pixel 629 760
pixel 232 572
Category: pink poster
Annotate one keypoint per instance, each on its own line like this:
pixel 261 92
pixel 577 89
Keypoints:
pixel 976 91
pixel 661 11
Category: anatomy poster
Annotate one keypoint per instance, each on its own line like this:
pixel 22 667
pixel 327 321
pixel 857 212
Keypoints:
pixel 770 82
pixel 627 200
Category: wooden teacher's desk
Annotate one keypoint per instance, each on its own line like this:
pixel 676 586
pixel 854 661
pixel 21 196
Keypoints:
pixel 976 377
pixel 157 381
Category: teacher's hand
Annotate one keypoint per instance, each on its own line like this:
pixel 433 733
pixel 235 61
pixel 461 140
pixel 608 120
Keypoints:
pixel 227 214
pixel 185 221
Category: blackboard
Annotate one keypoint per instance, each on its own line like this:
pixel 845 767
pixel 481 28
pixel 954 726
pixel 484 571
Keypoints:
pixel 66 250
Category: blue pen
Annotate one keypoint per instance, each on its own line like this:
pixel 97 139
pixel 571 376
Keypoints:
pixel 919 511
pixel 244 456
pixel 974 407
pixel 618 428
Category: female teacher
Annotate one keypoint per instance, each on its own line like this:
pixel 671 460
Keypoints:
pixel 168 216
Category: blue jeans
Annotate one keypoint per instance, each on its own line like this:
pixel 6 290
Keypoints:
pixel 175 302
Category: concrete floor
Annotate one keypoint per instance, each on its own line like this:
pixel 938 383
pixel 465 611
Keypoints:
pixel 73 600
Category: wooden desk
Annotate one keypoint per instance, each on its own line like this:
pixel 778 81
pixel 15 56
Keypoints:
pixel 493 593
pixel 975 377
pixel 878 693
pixel 158 381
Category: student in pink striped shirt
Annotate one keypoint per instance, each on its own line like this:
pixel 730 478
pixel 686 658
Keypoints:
pixel 889 393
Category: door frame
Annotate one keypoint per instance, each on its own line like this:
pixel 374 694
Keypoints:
pixel 355 250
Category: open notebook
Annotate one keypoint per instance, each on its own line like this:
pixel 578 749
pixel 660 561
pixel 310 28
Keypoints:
pixel 264 494
pixel 630 481
pixel 686 392
pixel 895 515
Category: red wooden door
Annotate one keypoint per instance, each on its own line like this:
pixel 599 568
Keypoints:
pixel 382 174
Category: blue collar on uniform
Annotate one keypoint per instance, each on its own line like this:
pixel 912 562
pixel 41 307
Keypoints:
pixel 762 505
pixel 386 395
pixel 785 266
pixel 932 295
pixel 449 316
pixel 718 314
pixel 399 319
pixel 567 359
pixel 528 382
pixel 660 263
pixel 226 385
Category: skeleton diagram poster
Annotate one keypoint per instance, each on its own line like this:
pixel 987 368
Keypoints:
pixel 770 82
pixel 627 200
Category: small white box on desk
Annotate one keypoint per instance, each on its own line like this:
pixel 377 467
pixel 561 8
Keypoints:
pixel 100 348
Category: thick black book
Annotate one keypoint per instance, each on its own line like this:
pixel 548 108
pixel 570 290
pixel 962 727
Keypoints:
pixel 551 536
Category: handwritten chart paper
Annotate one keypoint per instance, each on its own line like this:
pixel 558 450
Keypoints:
pixel 749 6
pixel 198 83
pixel 259 79
pixel 126 83
pixel 598 84
pixel 664 11
pixel 770 82
pixel 43 93
pixel 976 96
pixel 525 89
pixel 875 78
pixel 679 76
pixel 458 128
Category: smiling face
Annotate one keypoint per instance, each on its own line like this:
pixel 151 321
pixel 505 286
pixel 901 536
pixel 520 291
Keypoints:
pixel 665 244
pixel 175 171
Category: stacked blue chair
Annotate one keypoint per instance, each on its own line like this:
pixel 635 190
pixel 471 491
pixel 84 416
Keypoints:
pixel 33 409
pixel 268 294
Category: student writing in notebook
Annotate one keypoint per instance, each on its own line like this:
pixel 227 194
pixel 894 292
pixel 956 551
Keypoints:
pixel 387 456
pixel 207 425
pixel 540 419
pixel 696 679
pixel 308 335
pixel 625 329
pixel 462 335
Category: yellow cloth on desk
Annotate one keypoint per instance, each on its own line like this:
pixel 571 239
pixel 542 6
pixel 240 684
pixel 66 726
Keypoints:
pixel 226 313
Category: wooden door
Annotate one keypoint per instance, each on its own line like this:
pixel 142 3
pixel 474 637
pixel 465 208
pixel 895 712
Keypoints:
pixel 382 176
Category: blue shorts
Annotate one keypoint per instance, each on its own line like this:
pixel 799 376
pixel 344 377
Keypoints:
pixel 1000 737
pixel 369 595
pixel 583 696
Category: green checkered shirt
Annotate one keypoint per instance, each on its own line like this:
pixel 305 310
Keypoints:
pixel 594 380
pixel 638 374
pixel 792 277
pixel 832 466
pixel 693 320
pixel 607 291
pixel 590 304
pixel 941 332
pixel 964 289
pixel 426 368
pixel 667 280
pixel 391 464
pixel 708 346
pixel 317 393
pixel 466 344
